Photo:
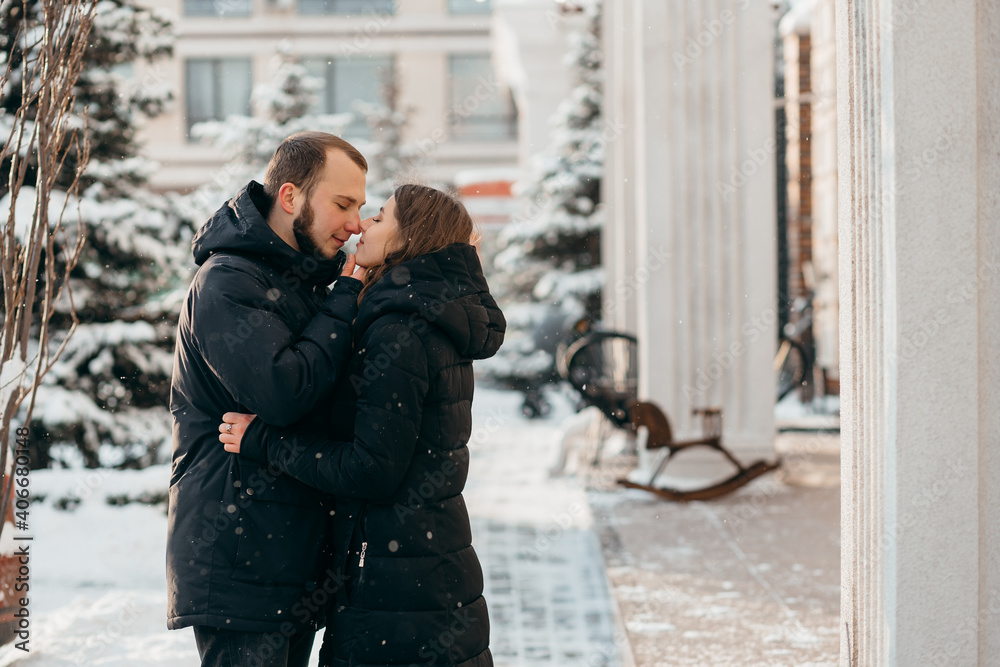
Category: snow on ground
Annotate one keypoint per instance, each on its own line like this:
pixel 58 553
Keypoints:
pixel 546 583
pixel 821 413
pixel 98 583
pixel 750 579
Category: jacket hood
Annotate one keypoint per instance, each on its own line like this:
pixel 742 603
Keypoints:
pixel 447 288
pixel 240 227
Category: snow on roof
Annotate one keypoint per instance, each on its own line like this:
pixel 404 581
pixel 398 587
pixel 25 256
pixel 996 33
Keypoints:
pixel 504 207
pixel 798 19
pixel 486 175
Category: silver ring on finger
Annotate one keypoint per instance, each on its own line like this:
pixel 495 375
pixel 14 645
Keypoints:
pixel 229 428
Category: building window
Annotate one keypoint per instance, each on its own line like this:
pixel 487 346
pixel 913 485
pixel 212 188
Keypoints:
pixel 470 6
pixel 480 109
pixel 351 79
pixel 217 7
pixel 347 7
pixel 217 88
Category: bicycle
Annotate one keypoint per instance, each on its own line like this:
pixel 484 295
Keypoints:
pixel 793 363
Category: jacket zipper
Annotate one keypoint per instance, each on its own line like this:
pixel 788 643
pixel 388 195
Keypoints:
pixel 361 559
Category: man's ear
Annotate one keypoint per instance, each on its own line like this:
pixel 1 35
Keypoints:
pixel 287 195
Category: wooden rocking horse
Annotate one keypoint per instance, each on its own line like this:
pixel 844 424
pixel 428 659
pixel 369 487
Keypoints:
pixel 603 368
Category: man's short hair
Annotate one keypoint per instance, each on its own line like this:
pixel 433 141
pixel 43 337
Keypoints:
pixel 300 160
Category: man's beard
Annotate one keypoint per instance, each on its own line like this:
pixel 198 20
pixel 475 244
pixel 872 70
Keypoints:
pixel 302 227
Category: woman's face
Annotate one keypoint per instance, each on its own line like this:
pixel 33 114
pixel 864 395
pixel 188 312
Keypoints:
pixel 378 236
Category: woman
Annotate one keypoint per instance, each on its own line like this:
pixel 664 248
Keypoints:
pixel 395 453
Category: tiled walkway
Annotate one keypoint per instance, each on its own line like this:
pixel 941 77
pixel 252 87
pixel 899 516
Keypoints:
pixel 546 585
pixel 548 606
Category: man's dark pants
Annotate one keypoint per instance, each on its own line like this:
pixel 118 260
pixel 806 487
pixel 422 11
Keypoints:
pixel 235 648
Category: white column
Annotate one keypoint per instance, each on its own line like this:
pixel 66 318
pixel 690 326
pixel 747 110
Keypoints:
pixel 618 240
pixel 919 134
pixel 824 170
pixel 702 151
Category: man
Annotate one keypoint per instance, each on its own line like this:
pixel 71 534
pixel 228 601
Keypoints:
pixel 260 333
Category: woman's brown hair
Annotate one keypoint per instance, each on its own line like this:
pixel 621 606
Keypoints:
pixel 427 220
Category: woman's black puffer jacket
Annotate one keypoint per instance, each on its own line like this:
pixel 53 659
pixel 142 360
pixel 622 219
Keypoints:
pixel 396 456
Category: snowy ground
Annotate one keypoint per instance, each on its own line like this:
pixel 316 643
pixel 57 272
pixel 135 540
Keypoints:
pixel 98 582
pixel 751 579
pixel 545 577
pixel 823 413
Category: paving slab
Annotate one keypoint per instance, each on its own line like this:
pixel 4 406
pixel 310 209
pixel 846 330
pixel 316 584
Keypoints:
pixel 545 578
pixel 752 578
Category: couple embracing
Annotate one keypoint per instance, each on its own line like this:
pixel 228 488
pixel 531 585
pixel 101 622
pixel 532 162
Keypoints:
pixel 320 435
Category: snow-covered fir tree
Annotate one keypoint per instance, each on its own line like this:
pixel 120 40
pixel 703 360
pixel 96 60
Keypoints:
pixel 105 401
pixel 549 272
pixel 553 248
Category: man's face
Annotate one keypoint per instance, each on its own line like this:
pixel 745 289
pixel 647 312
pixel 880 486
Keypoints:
pixel 332 213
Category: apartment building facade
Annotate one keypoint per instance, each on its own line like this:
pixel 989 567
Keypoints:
pixel 437 51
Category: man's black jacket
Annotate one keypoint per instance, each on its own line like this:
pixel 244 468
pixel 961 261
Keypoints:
pixel 259 333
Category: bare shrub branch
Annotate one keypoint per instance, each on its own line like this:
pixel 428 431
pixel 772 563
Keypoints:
pixel 37 252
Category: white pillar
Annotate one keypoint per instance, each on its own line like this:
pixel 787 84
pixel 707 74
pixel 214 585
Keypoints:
pixel 919 134
pixel 618 240
pixel 701 187
pixel 824 185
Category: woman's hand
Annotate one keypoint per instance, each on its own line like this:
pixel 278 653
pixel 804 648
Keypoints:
pixel 232 428
pixel 352 270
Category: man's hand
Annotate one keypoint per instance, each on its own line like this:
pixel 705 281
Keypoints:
pixel 232 428
pixel 352 270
